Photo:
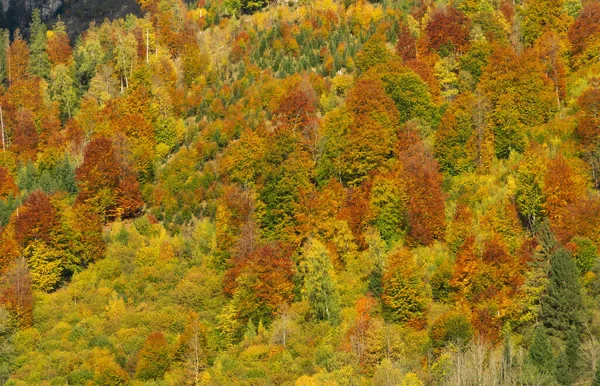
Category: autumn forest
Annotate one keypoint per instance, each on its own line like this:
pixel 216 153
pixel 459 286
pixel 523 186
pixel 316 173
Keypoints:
pixel 312 192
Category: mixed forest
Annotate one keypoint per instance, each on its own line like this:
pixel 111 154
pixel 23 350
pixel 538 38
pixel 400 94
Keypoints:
pixel 313 192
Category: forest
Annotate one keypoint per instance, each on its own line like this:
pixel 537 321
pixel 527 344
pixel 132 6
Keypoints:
pixel 308 192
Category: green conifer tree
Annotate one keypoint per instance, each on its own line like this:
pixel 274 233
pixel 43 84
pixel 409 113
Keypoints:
pixel 573 355
pixel 38 62
pixel 540 352
pixel 4 43
pixel 562 306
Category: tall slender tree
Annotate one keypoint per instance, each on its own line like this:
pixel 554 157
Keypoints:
pixel 38 61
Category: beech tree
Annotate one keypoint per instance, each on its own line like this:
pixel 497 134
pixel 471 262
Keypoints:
pixel 18 59
pixel 539 15
pixel 37 219
pixel 262 282
pixel 8 187
pixel 154 358
pixel 107 183
pixel 448 29
pixel 404 294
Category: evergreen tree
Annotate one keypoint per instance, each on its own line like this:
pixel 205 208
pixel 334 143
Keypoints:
pixel 540 352
pixel 4 43
pixel 562 305
pixel 38 62
pixel 562 374
pixel 574 359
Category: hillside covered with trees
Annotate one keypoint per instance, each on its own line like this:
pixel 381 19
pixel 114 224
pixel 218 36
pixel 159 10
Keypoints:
pixel 318 192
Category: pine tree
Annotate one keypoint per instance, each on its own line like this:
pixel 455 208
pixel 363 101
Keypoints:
pixel 38 62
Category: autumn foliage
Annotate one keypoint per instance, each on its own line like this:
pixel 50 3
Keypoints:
pixel 106 182
pixel 252 192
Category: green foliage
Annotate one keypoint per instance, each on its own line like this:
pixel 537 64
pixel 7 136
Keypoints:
pixel 585 254
pixel 538 15
pixel 251 6
pixel 540 352
pixel 4 43
pixel 319 282
pixel 46 264
pixel 409 92
pixel 7 207
pixel 39 63
pixel 562 306
pixel 62 90
pixel 373 53
pixel 404 292
pixel 529 194
pixel 217 138
pixel 569 361
pixel 389 200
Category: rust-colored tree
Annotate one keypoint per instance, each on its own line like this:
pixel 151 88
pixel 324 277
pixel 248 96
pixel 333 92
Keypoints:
pixel 297 112
pixel 59 46
pixel 487 283
pixel 585 29
pixel 357 339
pixel 426 207
pixel 8 187
pixel 154 358
pixel 406 46
pixel 25 138
pixel 563 189
pixel 372 131
pixel 107 182
pixel 36 219
pixel 448 29
pixel 262 282
pixel 18 59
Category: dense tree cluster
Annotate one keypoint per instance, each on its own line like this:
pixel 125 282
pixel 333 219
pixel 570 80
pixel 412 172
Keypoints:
pixel 243 192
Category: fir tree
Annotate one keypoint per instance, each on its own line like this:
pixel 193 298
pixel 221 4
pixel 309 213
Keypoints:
pixel 562 305
pixel 4 43
pixel 562 374
pixel 39 63
pixel 573 354
pixel 540 352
